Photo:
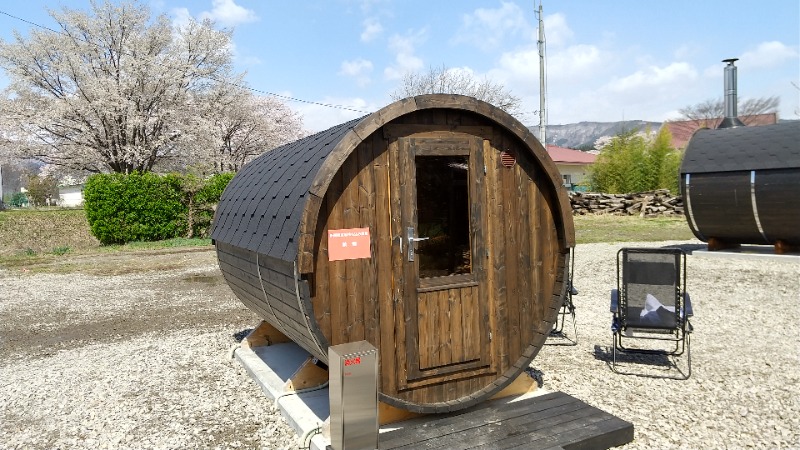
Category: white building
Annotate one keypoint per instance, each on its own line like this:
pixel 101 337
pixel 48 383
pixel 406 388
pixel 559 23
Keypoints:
pixel 70 196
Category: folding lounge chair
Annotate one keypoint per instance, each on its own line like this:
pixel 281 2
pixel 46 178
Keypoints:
pixel 651 303
pixel 567 307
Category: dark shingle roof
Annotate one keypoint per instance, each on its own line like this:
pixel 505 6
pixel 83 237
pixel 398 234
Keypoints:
pixel 745 148
pixel 261 208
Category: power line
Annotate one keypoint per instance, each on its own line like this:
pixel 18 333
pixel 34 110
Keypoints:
pixel 263 92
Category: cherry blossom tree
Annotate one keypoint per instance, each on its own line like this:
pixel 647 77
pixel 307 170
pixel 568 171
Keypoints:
pixel 114 90
pixel 244 126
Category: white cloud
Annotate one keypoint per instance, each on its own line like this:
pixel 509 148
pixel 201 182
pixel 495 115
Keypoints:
pixel 372 29
pixel 521 67
pixel 767 55
pixel 356 67
pixel 359 69
pixel 404 48
pixel 487 28
pixel 369 5
pixel 228 13
pixel 556 30
pixel 715 71
pixel 182 17
pixel 686 51
pixel 650 92
pixel 654 77
pixel 518 67
pixel 574 62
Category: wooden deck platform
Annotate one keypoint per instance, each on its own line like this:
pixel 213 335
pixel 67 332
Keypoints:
pixel 535 420
pixel 550 421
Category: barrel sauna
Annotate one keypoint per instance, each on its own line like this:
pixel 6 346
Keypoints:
pixel 436 228
pixel 742 185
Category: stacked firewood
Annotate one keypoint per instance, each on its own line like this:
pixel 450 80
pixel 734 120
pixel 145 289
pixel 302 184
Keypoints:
pixel 644 204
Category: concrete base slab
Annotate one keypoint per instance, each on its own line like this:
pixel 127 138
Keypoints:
pixel 271 367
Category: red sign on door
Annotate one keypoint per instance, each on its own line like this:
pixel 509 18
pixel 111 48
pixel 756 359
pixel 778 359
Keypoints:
pixel 351 243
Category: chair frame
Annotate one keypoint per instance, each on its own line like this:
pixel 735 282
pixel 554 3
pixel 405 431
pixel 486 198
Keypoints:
pixel 567 308
pixel 678 334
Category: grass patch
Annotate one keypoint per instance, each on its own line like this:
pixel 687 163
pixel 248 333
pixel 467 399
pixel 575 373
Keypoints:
pixel 36 232
pixel 608 228
pixel 37 237
pixel 62 250
pixel 30 238
pixel 167 243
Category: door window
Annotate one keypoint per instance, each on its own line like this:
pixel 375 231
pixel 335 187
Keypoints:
pixel 443 215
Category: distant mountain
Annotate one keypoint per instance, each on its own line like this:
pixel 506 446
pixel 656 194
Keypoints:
pixel 584 134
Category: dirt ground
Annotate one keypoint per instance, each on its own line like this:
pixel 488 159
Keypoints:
pixel 191 275
pixel 24 333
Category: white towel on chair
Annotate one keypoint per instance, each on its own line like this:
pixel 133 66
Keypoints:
pixel 651 305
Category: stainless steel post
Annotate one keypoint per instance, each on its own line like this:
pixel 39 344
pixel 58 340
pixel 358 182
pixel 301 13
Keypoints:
pixel 353 389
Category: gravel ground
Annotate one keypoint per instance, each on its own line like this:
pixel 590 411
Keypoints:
pixel 139 360
pixel 134 352
pixel 744 391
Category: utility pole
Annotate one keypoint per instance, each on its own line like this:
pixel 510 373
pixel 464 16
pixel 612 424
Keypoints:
pixel 542 83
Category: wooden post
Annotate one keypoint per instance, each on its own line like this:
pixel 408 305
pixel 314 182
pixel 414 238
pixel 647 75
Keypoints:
pixel 783 247
pixel 715 244
pixel 308 375
pixel 389 414
pixel 264 334
pixel 522 385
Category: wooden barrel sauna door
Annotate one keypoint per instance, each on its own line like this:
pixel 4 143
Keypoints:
pixel 441 197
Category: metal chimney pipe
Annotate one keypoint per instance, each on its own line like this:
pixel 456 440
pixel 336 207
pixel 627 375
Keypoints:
pixel 731 119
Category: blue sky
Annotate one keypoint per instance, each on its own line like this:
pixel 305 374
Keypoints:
pixel 607 61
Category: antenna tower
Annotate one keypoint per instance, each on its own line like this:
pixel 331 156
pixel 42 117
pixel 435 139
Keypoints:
pixel 542 82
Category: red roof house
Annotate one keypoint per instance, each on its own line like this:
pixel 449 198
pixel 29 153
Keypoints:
pixel 573 164
pixel 682 130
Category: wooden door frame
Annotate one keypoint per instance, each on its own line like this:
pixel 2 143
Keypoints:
pixel 435 144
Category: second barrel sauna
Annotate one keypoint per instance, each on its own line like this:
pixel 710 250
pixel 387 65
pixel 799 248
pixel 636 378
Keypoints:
pixel 436 228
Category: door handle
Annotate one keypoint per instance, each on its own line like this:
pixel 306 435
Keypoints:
pixel 411 240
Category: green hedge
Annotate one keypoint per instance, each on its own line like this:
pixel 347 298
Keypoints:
pixel 201 202
pixel 212 190
pixel 137 207
pixel 148 207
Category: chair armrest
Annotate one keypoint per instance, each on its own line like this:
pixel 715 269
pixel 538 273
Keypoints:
pixel 687 304
pixel 614 301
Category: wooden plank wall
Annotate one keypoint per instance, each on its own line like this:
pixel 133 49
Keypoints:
pixel 345 294
pixel 523 248
pixel 273 296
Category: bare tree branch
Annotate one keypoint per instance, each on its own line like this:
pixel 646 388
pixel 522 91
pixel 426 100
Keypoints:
pixel 713 109
pixel 442 80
